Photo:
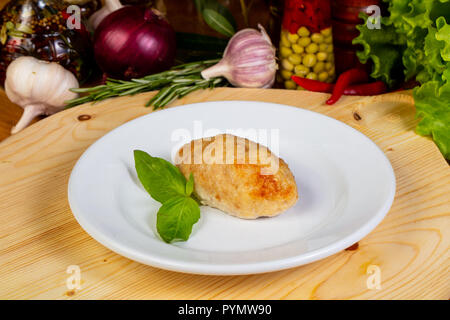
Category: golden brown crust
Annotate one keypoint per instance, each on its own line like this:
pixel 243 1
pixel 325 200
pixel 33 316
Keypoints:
pixel 238 187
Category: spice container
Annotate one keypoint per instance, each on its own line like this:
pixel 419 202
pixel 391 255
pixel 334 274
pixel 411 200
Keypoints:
pixel 39 28
pixel 306 44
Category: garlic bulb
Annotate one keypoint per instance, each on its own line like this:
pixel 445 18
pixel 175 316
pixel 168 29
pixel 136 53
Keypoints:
pixel 108 7
pixel 249 60
pixel 39 87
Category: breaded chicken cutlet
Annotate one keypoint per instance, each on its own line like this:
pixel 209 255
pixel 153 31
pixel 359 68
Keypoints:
pixel 247 181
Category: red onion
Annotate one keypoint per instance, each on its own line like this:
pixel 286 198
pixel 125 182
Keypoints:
pixel 133 42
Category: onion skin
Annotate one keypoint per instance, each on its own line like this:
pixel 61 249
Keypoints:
pixel 133 42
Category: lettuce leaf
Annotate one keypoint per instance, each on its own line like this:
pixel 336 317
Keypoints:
pixel 414 43
pixel 432 98
pixel 432 105
pixel 384 47
pixel 443 35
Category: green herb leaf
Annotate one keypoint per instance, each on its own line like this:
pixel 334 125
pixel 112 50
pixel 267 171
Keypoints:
pixel 215 5
pixel 166 184
pixel 218 22
pixel 190 185
pixel 176 217
pixel 162 180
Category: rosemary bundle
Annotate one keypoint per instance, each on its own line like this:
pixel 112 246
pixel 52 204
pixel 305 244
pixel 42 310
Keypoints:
pixel 172 84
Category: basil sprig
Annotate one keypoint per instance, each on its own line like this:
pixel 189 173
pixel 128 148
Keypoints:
pixel 167 185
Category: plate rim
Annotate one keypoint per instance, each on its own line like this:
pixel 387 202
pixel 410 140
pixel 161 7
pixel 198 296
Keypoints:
pixel 234 269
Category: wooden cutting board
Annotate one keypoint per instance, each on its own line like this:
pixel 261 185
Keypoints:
pixel 40 239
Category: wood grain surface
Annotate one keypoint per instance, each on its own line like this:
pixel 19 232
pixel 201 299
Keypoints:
pixel 39 237
pixel 9 115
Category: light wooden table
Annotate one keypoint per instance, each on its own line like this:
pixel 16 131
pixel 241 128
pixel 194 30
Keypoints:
pixel 39 237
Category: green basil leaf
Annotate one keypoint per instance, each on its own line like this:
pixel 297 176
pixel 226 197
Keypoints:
pixel 190 185
pixel 176 217
pixel 162 180
pixel 218 22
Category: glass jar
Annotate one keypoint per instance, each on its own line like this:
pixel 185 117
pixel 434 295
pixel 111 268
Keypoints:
pixel 38 28
pixel 345 18
pixel 306 43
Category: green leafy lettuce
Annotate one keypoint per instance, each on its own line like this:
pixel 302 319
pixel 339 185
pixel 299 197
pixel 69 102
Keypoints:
pixel 414 44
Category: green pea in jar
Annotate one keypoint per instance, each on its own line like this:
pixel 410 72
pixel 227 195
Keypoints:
pixel 306 42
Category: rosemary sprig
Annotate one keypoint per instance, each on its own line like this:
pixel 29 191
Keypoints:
pixel 172 84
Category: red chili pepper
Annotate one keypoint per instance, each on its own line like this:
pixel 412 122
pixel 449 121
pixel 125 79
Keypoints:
pixel 354 75
pixel 313 85
pixel 367 89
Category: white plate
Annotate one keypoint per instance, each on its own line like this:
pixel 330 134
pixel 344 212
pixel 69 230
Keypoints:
pixel 346 186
